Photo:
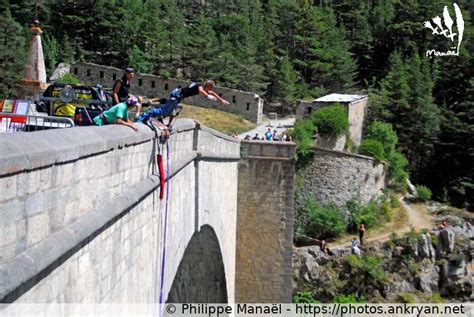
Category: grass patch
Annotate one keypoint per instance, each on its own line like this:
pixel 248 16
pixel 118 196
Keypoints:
pixel 398 221
pixel 222 121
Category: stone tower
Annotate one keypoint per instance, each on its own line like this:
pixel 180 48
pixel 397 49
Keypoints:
pixel 34 78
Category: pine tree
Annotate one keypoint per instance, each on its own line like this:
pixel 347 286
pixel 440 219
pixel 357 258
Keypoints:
pixel 285 83
pixel 405 100
pixel 173 38
pixel 321 52
pixel 202 51
pixel 12 51
pixel 139 61
pixel 422 123
pixel 51 53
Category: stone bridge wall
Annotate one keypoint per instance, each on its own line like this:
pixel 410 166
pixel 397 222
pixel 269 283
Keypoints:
pixel 247 104
pixel 81 220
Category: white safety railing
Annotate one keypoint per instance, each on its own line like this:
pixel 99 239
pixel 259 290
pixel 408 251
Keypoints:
pixel 10 123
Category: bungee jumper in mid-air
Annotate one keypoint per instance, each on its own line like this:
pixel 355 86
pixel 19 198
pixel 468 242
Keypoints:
pixel 178 94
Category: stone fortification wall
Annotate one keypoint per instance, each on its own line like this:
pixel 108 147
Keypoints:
pixel 357 111
pixel 81 220
pixel 247 104
pixel 265 222
pixel 337 177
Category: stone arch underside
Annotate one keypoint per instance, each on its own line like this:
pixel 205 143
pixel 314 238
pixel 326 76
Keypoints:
pixel 201 274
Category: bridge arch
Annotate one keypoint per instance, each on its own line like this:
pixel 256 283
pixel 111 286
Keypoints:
pixel 200 277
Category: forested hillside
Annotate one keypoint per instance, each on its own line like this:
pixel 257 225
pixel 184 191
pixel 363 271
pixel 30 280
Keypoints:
pixel 283 50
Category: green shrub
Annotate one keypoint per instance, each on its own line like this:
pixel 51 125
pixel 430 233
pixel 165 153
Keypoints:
pixel 385 211
pixel 424 193
pixel 436 298
pixel 372 148
pixel 397 170
pixel 348 299
pixel 331 120
pixel 324 221
pixel 303 129
pixel 361 213
pixel 350 145
pixel 69 79
pixel 408 298
pixel 305 297
pixel 382 132
pixel 302 135
pixel 394 236
pixel 366 270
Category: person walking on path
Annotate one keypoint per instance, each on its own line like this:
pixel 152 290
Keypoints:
pixel 178 94
pixel 118 114
pixel 122 86
pixel 361 233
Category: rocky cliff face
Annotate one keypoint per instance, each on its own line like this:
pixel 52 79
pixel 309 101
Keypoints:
pixel 427 267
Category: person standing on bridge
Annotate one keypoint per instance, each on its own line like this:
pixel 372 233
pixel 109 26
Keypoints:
pixel 178 94
pixel 118 114
pixel 122 86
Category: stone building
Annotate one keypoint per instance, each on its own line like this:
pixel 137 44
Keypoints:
pixel 356 111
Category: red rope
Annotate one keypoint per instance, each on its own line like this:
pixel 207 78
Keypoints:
pixel 159 160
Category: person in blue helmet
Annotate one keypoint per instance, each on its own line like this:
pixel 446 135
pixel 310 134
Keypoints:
pixel 118 114
pixel 178 94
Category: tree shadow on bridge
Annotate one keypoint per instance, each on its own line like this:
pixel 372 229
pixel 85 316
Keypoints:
pixel 201 275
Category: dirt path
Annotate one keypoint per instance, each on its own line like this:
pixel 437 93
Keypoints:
pixel 417 218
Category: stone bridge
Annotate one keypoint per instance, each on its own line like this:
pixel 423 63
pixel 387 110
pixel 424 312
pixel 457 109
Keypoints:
pixel 81 219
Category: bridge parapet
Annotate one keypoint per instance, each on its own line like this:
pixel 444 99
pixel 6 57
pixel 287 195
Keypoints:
pixel 80 217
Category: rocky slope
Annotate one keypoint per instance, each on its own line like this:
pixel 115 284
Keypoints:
pixel 431 266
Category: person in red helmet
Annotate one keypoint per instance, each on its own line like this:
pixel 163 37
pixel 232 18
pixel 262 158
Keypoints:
pixel 118 114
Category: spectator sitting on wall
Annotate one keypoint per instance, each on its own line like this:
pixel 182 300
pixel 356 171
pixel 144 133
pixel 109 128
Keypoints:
pixel 256 137
pixel 275 136
pixel 179 94
pixel 235 135
pixel 122 86
pixel 118 114
pixel 247 138
pixel 268 135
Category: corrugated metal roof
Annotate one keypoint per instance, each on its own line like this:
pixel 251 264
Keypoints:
pixel 340 98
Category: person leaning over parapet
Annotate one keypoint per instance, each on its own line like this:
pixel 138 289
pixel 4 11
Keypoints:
pixel 179 94
pixel 118 114
pixel 122 86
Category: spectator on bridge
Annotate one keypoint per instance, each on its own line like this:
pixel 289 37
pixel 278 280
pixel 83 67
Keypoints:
pixel 275 136
pixel 122 85
pixel 247 138
pixel 256 137
pixel 235 135
pixel 178 94
pixel 118 114
pixel 268 135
